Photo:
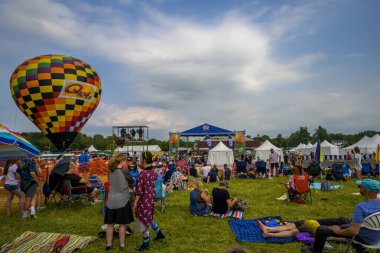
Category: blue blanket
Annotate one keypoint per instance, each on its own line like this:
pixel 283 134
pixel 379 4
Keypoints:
pixel 317 186
pixel 249 231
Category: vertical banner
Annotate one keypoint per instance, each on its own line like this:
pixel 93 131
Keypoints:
pixel 173 144
pixel 208 140
pixel 239 142
pixel 230 141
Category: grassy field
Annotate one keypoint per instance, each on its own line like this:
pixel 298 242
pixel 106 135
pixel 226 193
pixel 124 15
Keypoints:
pixel 186 233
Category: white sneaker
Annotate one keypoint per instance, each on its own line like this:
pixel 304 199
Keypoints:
pixel 328 246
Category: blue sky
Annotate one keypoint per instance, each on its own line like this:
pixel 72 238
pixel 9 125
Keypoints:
pixel 264 66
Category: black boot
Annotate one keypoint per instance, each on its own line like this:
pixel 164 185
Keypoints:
pixel 144 246
pixel 159 236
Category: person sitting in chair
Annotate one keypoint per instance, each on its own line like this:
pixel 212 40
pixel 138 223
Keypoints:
pixel 369 189
pixel 221 198
pixel 314 169
pixel 289 186
pixel 76 181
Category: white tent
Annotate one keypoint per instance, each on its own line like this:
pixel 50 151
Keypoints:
pixel 138 149
pixel 220 155
pixel 92 149
pixel 263 150
pixel 329 149
pixel 372 144
pixel 362 144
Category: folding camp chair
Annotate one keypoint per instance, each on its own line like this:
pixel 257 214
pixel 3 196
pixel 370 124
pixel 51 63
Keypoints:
pixel 286 170
pixel 371 222
pixel 366 168
pixel 261 167
pixel 160 196
pixel 72 194
pixel 95 182
pixel 337 171
pixel 302 192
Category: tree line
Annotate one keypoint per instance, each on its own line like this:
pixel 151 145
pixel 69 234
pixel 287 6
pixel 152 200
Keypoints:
pixel 303 135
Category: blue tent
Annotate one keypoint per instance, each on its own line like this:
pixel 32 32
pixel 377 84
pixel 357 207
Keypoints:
pixel 206 129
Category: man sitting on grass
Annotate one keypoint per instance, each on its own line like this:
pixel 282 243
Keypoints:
pixel 331 227
pixel 221 198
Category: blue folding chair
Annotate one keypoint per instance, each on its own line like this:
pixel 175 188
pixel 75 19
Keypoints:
pixel 261 167
pixel 366 168
pixel 337 171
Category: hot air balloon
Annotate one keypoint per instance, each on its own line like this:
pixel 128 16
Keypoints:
pixel 58 93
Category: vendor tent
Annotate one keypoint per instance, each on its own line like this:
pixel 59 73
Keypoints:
pixel 372 144
pixel 138 149
pixel 264 150
pixel 92 149
pixel 329 149
pixel 220 155
pixel 362 144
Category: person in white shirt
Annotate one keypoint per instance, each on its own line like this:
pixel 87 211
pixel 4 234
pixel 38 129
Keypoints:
pixel 358 163
pixel 274 158
pixel 205 170
pixel 12 186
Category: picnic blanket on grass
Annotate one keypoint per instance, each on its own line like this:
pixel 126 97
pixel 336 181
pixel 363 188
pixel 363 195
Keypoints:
pixel 249 231
pixel 231 214
pixel 44 242
pixel 317 186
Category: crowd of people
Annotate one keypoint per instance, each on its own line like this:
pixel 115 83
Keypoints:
pixel 122 209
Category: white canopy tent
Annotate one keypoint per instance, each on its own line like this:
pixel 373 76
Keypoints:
pixel 329 149
pixel 263 150
pixel 92 149
pixel 364 144
pixel 220 155
pixel 138 149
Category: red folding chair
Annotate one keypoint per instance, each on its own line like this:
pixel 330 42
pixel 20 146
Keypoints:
pixel 302 192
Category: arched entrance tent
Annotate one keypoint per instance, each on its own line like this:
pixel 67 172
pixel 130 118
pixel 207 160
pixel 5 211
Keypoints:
pixel 264 150
pixel 220 155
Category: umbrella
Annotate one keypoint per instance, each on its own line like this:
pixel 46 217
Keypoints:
pixel 61 168
pixel 377 157
pixel 14 146
pixel 318 156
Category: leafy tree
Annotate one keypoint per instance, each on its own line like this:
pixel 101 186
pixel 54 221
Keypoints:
pixel 321 134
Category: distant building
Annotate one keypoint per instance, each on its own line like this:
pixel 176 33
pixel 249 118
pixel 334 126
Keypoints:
pixel 339 143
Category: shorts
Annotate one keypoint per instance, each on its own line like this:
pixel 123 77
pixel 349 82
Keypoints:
pixel 11 188
pixel 272 165
pixel 31 191
pixel 309 226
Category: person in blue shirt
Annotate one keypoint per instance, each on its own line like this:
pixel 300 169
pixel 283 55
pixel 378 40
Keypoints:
pixel 84 158
pixel 369 189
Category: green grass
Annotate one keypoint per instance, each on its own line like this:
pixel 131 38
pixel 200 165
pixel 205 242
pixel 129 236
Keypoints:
pixel 186 233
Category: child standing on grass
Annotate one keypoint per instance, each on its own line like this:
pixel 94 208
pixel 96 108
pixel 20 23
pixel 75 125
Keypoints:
pixel 144 202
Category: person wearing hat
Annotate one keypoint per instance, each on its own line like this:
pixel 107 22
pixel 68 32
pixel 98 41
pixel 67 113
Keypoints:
pixel 221 198
pixel 369 189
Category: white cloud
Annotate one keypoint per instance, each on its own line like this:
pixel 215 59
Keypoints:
pixel 185 72
pixel 115 115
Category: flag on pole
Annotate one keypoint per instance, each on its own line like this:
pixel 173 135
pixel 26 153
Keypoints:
pixel 318 153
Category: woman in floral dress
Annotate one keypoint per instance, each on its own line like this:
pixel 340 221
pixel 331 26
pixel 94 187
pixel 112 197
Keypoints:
pixel 144 202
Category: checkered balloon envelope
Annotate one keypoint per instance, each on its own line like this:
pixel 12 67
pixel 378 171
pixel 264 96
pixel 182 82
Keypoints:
pixel 58 93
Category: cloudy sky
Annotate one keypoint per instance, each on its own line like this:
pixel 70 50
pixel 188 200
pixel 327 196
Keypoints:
pixel 264 66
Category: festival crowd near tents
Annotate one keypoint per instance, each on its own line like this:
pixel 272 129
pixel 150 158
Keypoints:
pixel 59 94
